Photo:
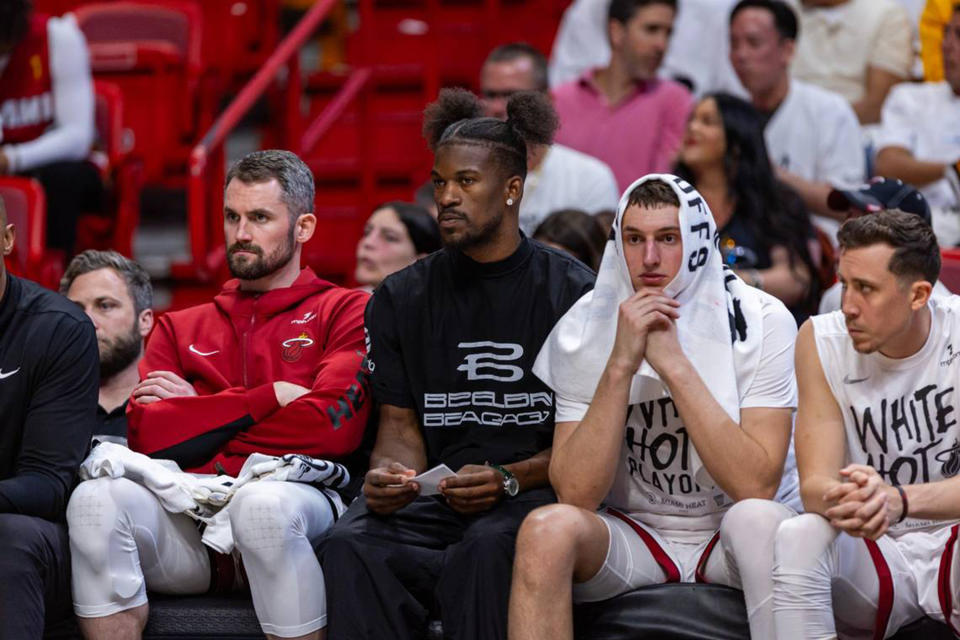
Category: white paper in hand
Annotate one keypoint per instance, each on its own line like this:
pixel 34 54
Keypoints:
pixel 428 480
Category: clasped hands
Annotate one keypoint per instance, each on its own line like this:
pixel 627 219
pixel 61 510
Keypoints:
pixel 474 489
pixel 863 505
pixel 646 328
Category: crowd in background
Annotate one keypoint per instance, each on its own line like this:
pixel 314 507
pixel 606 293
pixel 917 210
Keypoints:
pixel 785 119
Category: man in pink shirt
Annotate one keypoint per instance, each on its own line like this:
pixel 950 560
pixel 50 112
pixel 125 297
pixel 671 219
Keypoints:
pixel 622 113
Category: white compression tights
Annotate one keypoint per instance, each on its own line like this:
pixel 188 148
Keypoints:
pixel 746 557
pixel 122 542
pixel 825 582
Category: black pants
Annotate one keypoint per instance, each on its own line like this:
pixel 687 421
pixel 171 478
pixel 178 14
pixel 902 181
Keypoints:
pixel 385 575
pixel 34 575
pixel 72 188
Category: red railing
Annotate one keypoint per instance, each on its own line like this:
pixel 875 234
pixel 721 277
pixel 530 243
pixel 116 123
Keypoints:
pixel 207 159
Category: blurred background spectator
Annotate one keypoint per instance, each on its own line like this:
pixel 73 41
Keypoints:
pixel 936 14
pixel 697 54
pixel 576 232
pixel 856 48
pixel 919 138
pixel 396 235
pixel 812 135
pixel 765 233
pixel 622 113
pixel 557 176
pixel 46 114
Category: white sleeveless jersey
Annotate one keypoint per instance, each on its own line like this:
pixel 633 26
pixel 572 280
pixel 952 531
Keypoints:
pixel 901 416
pixel 656 483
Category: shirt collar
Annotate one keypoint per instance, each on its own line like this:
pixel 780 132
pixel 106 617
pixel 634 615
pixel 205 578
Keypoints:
pixel 466 265
pixel 588 81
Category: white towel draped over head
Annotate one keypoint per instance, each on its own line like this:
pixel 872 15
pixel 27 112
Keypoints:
pixel 716 318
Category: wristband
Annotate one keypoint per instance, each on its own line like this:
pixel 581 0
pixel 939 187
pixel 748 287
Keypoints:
pixel 903 500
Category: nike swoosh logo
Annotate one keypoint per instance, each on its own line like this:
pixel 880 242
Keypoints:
pixel 8 373
pixel 848 380
pixel 203 353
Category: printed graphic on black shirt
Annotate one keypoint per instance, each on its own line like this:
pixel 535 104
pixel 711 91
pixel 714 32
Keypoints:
pixel 456 341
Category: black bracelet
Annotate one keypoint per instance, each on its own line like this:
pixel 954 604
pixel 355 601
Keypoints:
pixel 903 500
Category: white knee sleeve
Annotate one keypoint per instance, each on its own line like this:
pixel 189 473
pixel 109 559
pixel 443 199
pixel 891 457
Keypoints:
pixel 275 526
pixel 121 541
pixel 803 574
pixel 747 535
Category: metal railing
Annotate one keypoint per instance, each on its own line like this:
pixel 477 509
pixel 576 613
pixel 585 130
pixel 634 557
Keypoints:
pixel 207 159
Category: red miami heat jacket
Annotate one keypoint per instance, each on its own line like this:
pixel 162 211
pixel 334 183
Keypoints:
pixel 232 351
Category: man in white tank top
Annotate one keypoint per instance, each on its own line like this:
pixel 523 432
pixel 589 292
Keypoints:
pixel 675 393
pixel 878 445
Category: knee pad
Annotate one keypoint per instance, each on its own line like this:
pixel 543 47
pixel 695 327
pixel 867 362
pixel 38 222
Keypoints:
pixel 752 518
pixel 802 573
pixel 262 521
pixel 96 508
pixel 804 540
pixel 101 534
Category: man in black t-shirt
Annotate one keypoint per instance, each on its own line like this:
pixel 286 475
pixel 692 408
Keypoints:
pixel 452 341
pixel 48 399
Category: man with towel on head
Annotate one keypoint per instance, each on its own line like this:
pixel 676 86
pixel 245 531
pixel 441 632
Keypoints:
pixel 675 392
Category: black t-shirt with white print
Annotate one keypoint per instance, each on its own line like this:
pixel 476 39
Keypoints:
pixel 455 340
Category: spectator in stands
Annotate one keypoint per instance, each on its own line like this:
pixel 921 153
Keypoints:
pixel 858 49
pixel 576 232
pixel 452 339
pixel 46 114
pixel 715 417
pixel 936 14
pixel 878 195
pixel 765 232
pixel 605 218
pixel 581 43
pixel 557 176
pixel 622 113
pixel 48 399
pixel 698 54
pixel 272 366
pixel 423 197
pixel 876 548
pixel 916 142
pixel 812 135
pixel 396 235
pixel 115 292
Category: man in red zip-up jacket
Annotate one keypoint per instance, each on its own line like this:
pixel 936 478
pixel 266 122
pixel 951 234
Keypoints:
pixel 273 365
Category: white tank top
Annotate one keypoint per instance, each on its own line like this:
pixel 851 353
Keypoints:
pixel 901 416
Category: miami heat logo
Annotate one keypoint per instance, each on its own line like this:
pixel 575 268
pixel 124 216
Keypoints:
pixel 950 459
pixel 293 348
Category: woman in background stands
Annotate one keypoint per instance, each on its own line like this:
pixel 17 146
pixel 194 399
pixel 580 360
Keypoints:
pixel 397 234
pixel 765 233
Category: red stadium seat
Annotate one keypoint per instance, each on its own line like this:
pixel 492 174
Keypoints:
pixel 122 174
pixel 152 52
pixel 26 208
pixel 56 7
pixel 950 269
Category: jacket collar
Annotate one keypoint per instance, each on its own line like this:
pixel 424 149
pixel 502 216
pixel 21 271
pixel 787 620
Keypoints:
pixel 232 301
